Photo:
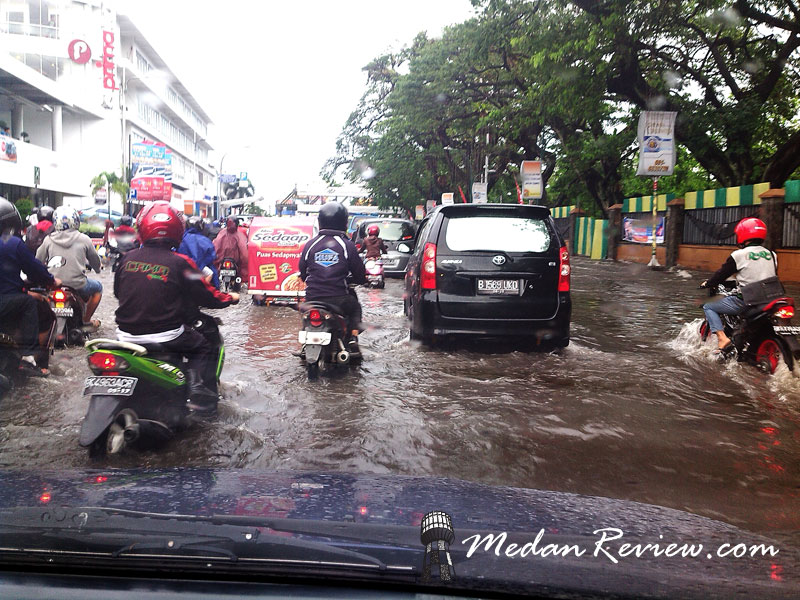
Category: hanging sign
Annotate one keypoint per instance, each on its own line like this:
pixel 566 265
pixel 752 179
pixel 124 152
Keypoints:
pixel 656 143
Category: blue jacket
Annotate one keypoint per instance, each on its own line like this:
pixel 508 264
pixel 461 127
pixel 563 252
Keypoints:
pixel 201 250
pixel 326 262
pixel 15 256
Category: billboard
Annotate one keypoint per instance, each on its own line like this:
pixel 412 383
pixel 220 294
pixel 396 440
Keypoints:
pixel 531 174
pixel 151 171
pixel 275 244
pixel 656 143
pixel 640 231
pixel 8 149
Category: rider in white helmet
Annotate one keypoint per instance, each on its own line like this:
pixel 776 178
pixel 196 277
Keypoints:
pixel 66 252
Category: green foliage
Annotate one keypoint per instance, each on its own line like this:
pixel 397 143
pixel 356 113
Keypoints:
pixel 252 208
pixel 565 82
pixel 117 185
pixel 24 206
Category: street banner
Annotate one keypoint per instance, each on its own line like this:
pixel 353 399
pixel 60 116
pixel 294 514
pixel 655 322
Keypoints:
pixel 640 231
pixel 430 205
pixel 274 244
pixel 420 212
pixel 151 171
pixel 448 198
pixel 656 143
pixel 531 172
pixel 479 195
pixel 8 149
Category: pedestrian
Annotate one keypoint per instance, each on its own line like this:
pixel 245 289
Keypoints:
pixel 231 243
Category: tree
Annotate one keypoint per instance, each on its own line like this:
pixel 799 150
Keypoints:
pixel 114 182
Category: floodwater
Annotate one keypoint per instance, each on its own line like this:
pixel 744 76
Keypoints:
pixel 634 408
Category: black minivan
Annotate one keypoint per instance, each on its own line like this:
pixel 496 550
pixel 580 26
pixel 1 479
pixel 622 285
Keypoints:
pixel 495 270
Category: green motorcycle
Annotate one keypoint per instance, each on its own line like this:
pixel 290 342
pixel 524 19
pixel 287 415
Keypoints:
pixel 138 393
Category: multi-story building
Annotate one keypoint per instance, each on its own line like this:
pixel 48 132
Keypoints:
pixel 80 85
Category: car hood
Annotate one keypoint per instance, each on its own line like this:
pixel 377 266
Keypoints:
pixel 384 512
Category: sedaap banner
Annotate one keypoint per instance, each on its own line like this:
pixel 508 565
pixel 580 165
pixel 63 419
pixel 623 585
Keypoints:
pixel 656 143
pixel 531 174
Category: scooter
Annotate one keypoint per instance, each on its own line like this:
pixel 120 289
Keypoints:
pixel 138 394
pixel 229 280
pixel 69 309
pixel 763 335
pixel 374 268
pixel 325 338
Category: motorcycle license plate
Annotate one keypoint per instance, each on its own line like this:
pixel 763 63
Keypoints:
pixel 498 287
pixel 787 329
pixel 62 311
pixel 109 386
pixel 227 273
pixel 320 338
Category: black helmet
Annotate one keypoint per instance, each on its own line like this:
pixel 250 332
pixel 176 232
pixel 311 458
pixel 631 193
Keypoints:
pixel 45 213
pixel 333 215
pixel 126 220
pixel 195 222
pixel 9 217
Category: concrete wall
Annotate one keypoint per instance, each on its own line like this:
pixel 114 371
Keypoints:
pixel 710 258
pixel 640 253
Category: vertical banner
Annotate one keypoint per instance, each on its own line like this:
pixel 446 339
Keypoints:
pixel 430 205
pixel 419 212
pixel 531 172
pixel 479 193
pixel 656 143
pixel 148 170
pixel 448 198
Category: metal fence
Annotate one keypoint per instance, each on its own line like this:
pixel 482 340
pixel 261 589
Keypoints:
pixel 791 225
pixel 714 226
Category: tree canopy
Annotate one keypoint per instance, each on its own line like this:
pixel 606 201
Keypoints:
pixel 564 82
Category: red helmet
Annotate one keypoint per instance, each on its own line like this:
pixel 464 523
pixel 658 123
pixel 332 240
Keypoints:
pixel 750 229
pixel 373 230
pixel 159 221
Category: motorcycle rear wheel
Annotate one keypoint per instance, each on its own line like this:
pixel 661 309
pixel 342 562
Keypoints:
pixel 769 353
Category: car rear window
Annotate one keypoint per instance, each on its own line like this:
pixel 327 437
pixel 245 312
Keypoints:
pixel 509 234
pixel 393 231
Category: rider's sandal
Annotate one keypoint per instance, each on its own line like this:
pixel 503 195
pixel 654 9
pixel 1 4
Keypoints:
pixel 726 352
pixel 32 370
pixel 91 326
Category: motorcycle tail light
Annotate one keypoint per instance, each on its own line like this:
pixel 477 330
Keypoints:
pixel 105 363
pixel 785 312
pixel 59 296
pixel 227 265
pixel 315 318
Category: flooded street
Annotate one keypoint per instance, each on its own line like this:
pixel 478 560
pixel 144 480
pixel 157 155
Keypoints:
pixel 634 408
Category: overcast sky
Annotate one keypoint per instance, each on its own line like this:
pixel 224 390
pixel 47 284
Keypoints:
pixel 281 77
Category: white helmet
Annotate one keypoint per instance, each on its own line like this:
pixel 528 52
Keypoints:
pixel 65 218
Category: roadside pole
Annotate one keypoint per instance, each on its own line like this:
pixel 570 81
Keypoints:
pixel 653 260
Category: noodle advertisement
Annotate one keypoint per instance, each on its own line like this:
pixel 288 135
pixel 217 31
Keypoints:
pixel 275 244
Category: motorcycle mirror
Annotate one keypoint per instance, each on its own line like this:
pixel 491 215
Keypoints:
pixel 404 248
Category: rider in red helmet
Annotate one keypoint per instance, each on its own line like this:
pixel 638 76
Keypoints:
pixel 751 263
pixel 373 245
pixel 159 291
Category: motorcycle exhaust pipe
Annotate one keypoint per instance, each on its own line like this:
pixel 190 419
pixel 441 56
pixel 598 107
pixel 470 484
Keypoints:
pixel 238 280
pixel 131 432
pixel 343 357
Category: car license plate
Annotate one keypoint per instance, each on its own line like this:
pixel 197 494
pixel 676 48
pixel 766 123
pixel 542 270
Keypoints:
pixel 63 311
pixel 390 263
pixel 320 338
pixel 500 287
pixel 227 273
pixel 109 386
pixel 787 329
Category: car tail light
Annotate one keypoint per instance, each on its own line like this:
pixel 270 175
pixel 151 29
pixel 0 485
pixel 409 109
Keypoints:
pixel 315 318
pixel 784 312
pixel 563 269
pixel 428 276
pixel 106 363
pixel 59 296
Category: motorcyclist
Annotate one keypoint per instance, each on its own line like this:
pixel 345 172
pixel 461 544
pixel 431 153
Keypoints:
pixel 232 243
pixel 751 263
pixel 326 262
pixel 373 245
pixel 125 226
pixel 66 252
pixel 212 231
pixel 35 234
pixel 200 249
pixel 20 311
pixel 159 291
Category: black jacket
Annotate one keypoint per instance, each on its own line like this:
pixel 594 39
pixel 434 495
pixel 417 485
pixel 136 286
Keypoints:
pixel 326 262
pixel 160 290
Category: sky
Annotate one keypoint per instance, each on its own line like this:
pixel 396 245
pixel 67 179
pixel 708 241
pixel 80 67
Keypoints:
pixel 279 79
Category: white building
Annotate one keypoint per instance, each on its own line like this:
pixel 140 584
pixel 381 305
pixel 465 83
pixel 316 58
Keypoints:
pixel 83 85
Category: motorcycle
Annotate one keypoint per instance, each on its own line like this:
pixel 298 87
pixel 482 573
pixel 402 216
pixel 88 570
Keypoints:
pixel 374 268
pixel 229 280
pixel 138 393
pixel 763 335
pixel 69 309
pixel 10 355
pixel 325 338
pixel 119 245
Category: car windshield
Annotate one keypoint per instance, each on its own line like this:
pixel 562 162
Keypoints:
pixel 571 370
pixel 508 234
